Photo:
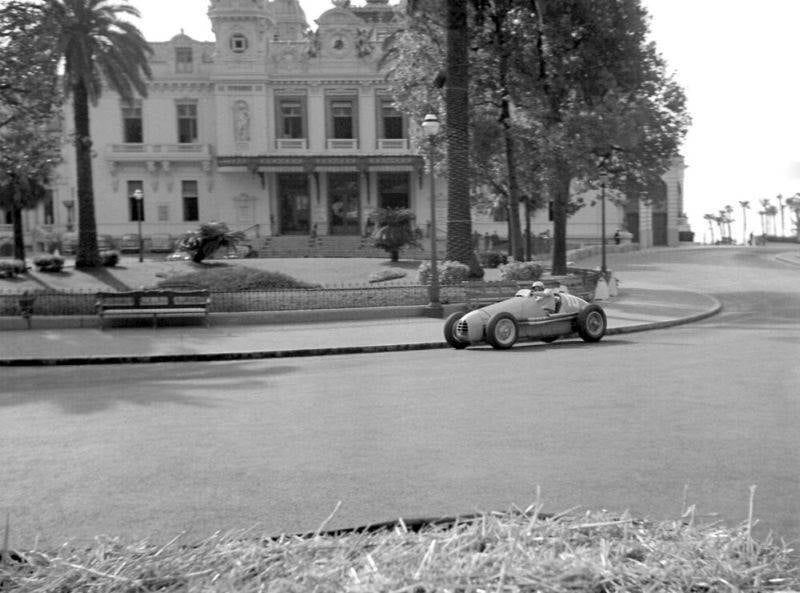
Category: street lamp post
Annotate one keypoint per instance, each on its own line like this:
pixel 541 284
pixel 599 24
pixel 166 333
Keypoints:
pixel 139 197
pixel 603 225
pixel 430 127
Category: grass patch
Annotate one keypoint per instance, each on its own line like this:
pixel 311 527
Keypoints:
pixel 518 551
pixel 235 278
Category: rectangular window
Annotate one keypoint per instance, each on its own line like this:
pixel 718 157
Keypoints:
pixel 341 113
pixel 391 121
pixel 183 60
pixel 48 207
pixel 135 207
pixel 132 122
pixel 291 114
pixel 189 194
pixel 187 122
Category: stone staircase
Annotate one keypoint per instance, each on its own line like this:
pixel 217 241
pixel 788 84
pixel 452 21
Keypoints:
pixel 328 246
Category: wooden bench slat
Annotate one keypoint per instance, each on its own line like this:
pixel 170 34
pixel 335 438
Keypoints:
pixel 157 302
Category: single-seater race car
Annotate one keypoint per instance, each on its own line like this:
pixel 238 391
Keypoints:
pixel 532 314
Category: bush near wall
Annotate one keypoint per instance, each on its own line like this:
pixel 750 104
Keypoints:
pixel 48 262
pixel 450 272
pixel 521 270
pixel 11 267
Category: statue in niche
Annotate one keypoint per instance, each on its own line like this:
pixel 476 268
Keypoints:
pixel 241 121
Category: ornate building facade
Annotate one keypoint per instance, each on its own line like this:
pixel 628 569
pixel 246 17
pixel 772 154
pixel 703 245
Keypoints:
pixel 277 130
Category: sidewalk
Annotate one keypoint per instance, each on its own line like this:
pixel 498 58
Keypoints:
pixel 634 309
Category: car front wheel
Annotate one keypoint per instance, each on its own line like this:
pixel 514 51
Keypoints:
pixel 502 331
pixel 591 323
pixel 450 331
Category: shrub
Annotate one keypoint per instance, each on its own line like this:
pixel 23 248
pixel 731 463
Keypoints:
pixel 235 278
pixel 109 258
pixel 49 262
pixel 521 270
pixel 450 272
pixel 210 237
pixel 394 230
pixel 11 267
pixel 383 275
pixel 492 259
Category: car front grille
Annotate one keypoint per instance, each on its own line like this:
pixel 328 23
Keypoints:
pixel 462 329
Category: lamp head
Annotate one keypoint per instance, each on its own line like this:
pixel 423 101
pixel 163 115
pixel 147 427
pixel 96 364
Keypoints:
pixel 430 125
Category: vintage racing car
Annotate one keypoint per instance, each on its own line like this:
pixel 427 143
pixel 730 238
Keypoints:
pixel 532 314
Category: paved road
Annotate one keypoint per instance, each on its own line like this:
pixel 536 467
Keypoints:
pixel 152 451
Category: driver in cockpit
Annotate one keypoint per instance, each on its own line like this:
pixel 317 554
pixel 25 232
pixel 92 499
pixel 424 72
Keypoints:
pixel 549 300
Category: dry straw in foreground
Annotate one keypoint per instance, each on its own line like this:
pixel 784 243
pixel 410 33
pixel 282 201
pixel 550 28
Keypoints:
pixel 518 551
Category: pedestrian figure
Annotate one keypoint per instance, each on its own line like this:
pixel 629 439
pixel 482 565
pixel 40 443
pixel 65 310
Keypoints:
pixel 617 237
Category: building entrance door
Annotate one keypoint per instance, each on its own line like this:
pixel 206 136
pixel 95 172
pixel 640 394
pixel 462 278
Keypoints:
pixel 344 204
pixel 294 204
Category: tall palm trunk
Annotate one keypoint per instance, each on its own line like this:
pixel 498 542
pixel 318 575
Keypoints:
pixel 459 223
pixel 87 254
pixel 16 215
pixel 560 201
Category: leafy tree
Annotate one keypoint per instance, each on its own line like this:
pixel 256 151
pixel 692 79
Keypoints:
pixel 394 230
pixel 27 157
pixel 97 47
pixel 28 76
pixel 29 108
pixel 602 95
pixel 210 237
pixel 781 205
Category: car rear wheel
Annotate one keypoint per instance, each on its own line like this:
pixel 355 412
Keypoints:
pixel 450 331
pixel 502 331
pixel 591 323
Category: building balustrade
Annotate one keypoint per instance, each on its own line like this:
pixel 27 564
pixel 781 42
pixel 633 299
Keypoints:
pixel 291 144
pixel 342 144
pixel 131 151
pixel 388 144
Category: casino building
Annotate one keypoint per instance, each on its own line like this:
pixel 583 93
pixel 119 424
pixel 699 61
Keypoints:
pixel 281 132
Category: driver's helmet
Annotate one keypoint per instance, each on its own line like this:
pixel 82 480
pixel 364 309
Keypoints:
pixel 537 286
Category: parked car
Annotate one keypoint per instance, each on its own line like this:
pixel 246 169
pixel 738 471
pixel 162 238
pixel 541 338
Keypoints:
pixel 129 243
pixel 531 314
pixel 69 243
pixel 161 243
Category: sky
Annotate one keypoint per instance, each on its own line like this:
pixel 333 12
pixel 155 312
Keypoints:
pixel 736 61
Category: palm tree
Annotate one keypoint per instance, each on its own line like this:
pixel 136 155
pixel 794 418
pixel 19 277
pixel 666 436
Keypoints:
pixel 710 218
pixel 763 212
pixel 729 220
pixel 98 47
pixel 745 204
pixel 779 197
pixel 794 205
pixel 772 212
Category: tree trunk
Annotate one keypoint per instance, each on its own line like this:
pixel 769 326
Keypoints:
pixel 459 223
pixel 87 255
pixel 19 238
pixel 560 202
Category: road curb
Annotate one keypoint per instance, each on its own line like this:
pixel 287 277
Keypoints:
pixel 303 352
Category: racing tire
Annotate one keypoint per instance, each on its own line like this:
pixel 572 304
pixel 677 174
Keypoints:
pixel 502 331
pixel 591 323
pixel 450 331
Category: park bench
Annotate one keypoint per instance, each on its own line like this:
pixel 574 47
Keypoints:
pixel 153 303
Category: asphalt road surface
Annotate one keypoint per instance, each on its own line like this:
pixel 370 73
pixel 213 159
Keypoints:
pixel 646 422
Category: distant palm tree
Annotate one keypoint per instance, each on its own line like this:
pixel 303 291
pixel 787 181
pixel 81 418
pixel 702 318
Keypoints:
pixel 729 219
pixel 97 47
pixel 745 204
pixel 772 213
pixel 710 219
pixel 779 197
pixel 794 205
pixel 765 203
